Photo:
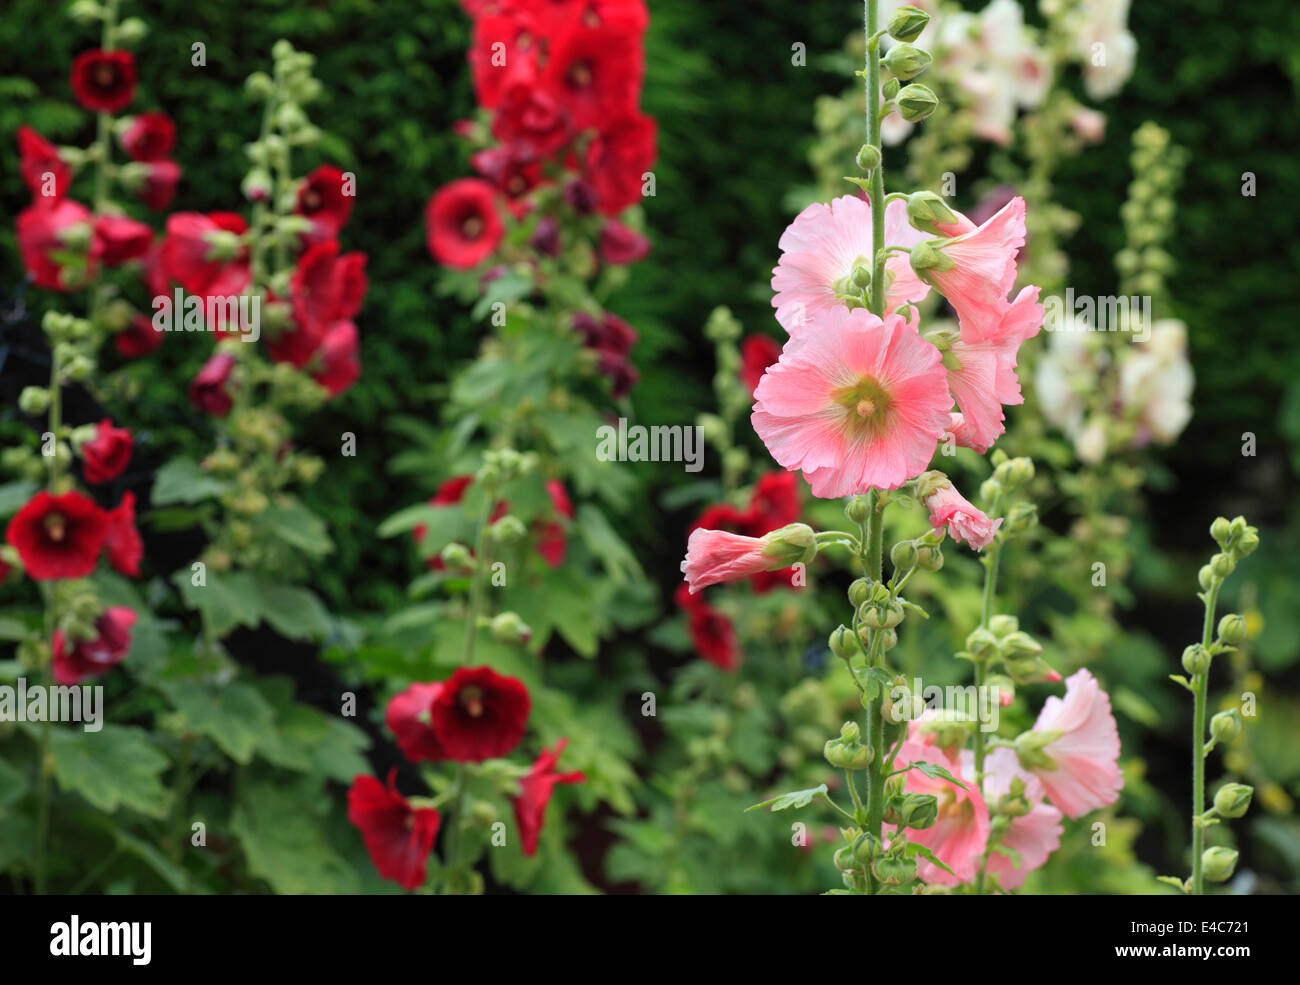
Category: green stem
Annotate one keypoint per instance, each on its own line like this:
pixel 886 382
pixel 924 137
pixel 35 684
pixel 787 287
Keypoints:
pixel 1200 687
pixel 991 560
pixel 476 576
pixel 877 193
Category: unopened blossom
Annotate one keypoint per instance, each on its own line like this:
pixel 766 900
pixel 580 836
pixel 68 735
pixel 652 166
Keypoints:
pixel 949 510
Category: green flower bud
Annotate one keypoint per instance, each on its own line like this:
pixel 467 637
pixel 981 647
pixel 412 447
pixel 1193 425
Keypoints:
pixel 894 870
pixel 925 209
pixel 861 276
pixel 844 860
pixel 907 23
pixel 1218 863
pixel 929 558
pixel 131 31
pixel 859 592
pixel 507 627
pixel 1020 646
pixel 1226 725
pixel 868 158
pixel 857 509
pixel 34 400
pixel 918 810
pixel 981 643
pixel 1196 659
pixel 1233 799
pixel 847 755
pixel 924 257
pixel 1220 530
pixel 509 529
pixel 456 555
pixel 842 643
pixel 906 62
pixel 1021 517
pixel 1002 626
pixel 1206 577
pixel 795 543
pixel 1232 628
pixel 903 555
pixel 1247 542
pixel 915 102
pixel 1223 565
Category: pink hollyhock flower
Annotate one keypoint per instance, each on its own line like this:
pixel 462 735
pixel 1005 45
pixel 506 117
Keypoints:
pixel 1074 751
pixel 950 509
pixel 821 248
pixel 204 253
pixel 157 186
pixel 715 556
pixel 88 659
pixel 1034 836
pixel 958 838
pixel 338 358
pixel 325 198
pixel 149 136
pixel 981 268
pixel 535 790
pixel 854 403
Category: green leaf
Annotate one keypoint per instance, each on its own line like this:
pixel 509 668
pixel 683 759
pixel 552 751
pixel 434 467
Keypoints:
pixel 936 773
pixel 234 716
pixel 12 631
pixel 601 539
pixel 913 849
pixel 294 612
pixel 225 600
pixel 285 844
pixel 182 481
pixel 298 527
pixel 14 495
pixel 1174 881
pixel 13 784
pixel 115 767
pixel 799 798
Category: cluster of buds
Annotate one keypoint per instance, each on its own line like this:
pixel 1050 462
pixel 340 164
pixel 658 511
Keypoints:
pixel 903 62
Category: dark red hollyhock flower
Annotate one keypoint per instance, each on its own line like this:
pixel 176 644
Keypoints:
pixel 712 633
pixel 535 790
pixel 325 288
pixel 89 659
pixel 159 185
pixel 42 231
pixel 104 81
pixel 611 339
pixel 532 120
pixel 398 837
pixel 321 199
pixel 462 226
pixel 137 339
pixel 149 136
pixel 546 236
pixel 620 245
pixel 479 714
pixel 190 259
pixel 58 536
pixel 121 239
pixel 38 158
pixel 617 158
pixel 209 390
pixel 757 352
pixel 338 360
pixel 595 73
pixel 123 545
pixel 504 51
pixel 511 170
pixel 580 196
pixel 407 717
pixel 105 455
pixel 552 536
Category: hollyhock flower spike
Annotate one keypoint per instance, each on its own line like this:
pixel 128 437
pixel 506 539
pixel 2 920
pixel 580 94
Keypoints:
pixel 950 510
pixel 535 790
pixel 398 837
pixel 1073 748
pixel 854 402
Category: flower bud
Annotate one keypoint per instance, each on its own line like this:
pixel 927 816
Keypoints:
pixel 1232 628
pixel 894 870
pixel 925 209
pixel 507 627
pixel 881 615
pixel 1218 863
pixel 1196 660
pixel 1002 626
pixel 844 860
pixel 924 257
pixel 859 592
pixel 1220 530
pixel 509 529
pixel 929 558
pixel 861 276
pixel 1226 725
pixel 795 543
pixel 842 643
pixel 918 810
pixel 1020 646
pixel 1205 577
pixel 34 400
pixel 1233 799
pixel 906 62
pixel 857 509
pixel 868 158
pixel 907 23
pixel 890 89
pixel 131 32
pixel 846 755
pixel 1223 565
pixel 915 102
pixel 981 643
pixel 1247 542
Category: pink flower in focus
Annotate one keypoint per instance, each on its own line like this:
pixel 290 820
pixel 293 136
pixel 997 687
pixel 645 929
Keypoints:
pixel 854 403
pixel 714 556
pixel 1083 748
pixel 965 523
pixel 821 248
pixel 1034 836
pixel 958 838
pixel 983 268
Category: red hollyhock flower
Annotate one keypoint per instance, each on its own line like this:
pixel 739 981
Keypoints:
pixel 149 136
pixel 338 359
pixel 137 339
pixel 123 545
pixel 191 258
pixel 712 633
pixel 774 502
pixel 121 239
pixel 504 51
pixel 616 160
pixel 89 659
pixel 104 456
pixel 104 81
pixel 532 120
pixel 535 790
pixel 209 390
pixel 552 537
pixel 326 287
pixel 42 231
pixel 321 199
pixel 407 717
pixel 479 714
pixel 38 158
pixel 462 226
pixel 398 837
pixel 159 185
pixel 612 339
pixel 58 536
pixel 595 73
pixel 620 245
pixel 756 354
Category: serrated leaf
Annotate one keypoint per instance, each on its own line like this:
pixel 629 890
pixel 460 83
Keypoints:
pixel 294 612
pixel 935 772
pixel 182 481
pixel 115 767
pixel 798 798
pixel 225 600
pixel 297 527
pixel 285 844
pixel 234 716
pixel 914 849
